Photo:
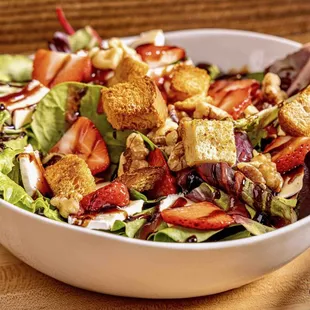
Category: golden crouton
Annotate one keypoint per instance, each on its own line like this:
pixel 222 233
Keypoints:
pixel 127 70
pixel 142 179
pixel 70 177
pixel 208 141
pixel 134 105
pixel 187 81
pixel 294 116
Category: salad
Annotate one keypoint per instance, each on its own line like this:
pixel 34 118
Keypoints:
pixel 137 140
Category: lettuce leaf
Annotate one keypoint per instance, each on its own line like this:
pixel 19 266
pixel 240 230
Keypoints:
pixel 7 157
pixel 17 68
pixel 252 226
pixel 82 39
pixel 17 144
pixel 15 194
pixel 4 116
pixel 135 195
pixel 239 235
pixel 182 234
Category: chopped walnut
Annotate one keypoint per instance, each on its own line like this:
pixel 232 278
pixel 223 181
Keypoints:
pixel 176 161
pixel 134 156
pixel 206 110
pixel 268 171
pixel 165 136
pixel 271 89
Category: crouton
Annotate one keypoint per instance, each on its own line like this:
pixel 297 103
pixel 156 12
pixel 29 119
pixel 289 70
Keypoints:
pixel 142 179
pixel 294 116
pixel 187 81
pixel 70 177
pixel 127 70
pixel 134 105
pixel 208 141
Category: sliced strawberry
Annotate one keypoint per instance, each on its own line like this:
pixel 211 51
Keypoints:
pixel 168 184
pixel 47 64
pixel 203 215
pixel 76 69
pixel 51 68
pixel 85 140
pixel 158 56
pixel 115 194
pixel 290 154
pixel 234 96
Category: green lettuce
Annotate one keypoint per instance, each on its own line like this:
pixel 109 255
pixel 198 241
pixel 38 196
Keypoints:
pixel 135 195
pixel 82 39
pixel 7 157
pixel 4 116
pixel 16 195
pixel 255 125
pixel 182 234
pixel 52 111
pixel 258 76
pixel 17 68
pixel 17 144
pixel 239 235
pixel 252 226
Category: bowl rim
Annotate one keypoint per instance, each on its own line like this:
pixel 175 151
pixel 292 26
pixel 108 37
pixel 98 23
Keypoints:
pixel 180 246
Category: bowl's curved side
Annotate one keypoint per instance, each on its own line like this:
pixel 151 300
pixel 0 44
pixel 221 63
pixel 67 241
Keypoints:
pixel 120 267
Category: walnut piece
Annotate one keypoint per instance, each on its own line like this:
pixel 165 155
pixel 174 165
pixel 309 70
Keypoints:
pixel 176 161
pixel 134 156
pixel 271 89
pixel 262 170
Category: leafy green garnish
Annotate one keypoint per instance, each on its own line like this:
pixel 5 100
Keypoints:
pixel 182 234
pixel 4 116
pixel 258 76
pixel 7 157
pixel 135 195
pixel 82 39
pixel 239 235
pixel 252 226
pixel 255 125
pixel 17 68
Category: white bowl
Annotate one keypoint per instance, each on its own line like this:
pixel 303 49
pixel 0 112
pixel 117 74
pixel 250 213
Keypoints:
pixel 116 265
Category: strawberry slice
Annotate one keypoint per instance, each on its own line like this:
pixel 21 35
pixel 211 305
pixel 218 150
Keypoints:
pixel 168 184
pixel 115 194
pixel 290 154
pixel 76 69
pixel 203 215
pixel 52 68
pixel 85 140
pixel 158 56
pixel 47 64
pixel 234 96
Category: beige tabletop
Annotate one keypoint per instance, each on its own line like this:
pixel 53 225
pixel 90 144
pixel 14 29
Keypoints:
pixel 22 287
pixel 27 24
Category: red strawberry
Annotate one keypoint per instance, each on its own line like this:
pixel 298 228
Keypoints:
pixel 51 68
pixel 290 154
pixel 76 69
pixel 47 64
pixel 158 56
pixel 84 140
pixel 203 215
pixel 115 193
pixel 234 96
pixel 167 185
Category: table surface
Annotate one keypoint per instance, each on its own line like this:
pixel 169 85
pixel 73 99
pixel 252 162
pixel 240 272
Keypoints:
pixel 27 25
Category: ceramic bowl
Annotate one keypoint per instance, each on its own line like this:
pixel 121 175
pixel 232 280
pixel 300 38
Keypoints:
pixel 116 265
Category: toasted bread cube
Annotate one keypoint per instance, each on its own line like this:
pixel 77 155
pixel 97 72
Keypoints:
pixel 208 141
pixel 70 177
pixel 136 105
pixel 294 116
pixel 187 81
pixel 127 70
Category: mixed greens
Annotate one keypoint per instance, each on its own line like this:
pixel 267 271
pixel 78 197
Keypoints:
pixel 112 137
